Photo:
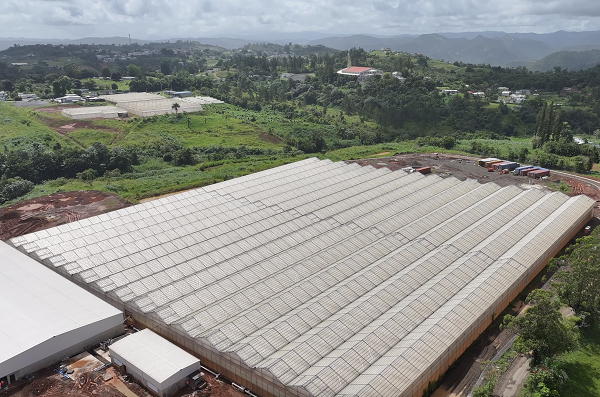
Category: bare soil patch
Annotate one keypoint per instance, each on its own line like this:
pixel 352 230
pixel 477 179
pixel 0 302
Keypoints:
pixel 56 209
pixel 55 109
pixel 86 382
pixel 270 138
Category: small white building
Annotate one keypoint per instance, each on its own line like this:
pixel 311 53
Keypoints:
pixel 518 98
pixel 398 75
pixel 3 96
pixel 154 361
pixel 523 92
pixel 450 92
pixel 479 94
pixel 505 93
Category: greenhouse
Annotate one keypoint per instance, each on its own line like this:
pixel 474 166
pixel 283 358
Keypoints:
pixel 94 112
pixel 144 104
pixel 203 100
pixel 319 278
pixel 131 97
pixel 159 107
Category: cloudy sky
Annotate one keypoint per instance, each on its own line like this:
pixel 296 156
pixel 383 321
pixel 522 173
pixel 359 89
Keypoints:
pixel 153 19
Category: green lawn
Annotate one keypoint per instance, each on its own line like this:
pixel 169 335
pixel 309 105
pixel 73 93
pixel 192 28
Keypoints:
pixel 19 128
pixel 583 366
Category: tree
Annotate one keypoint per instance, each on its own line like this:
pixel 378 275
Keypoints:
pixel 87 175
pixel 105 72
pixel 175 107
pixel 134 71
pixel 72 71
pixel 578 285
pixel 90 85
pixel 61 86
pixel 542 329
pixel 165 68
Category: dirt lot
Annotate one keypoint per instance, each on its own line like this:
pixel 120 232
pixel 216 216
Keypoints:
pixel 85 381
pixel 56 209
pixel 463 167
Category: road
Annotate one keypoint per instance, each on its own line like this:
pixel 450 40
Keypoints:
pixel 590 181
pixel 515 377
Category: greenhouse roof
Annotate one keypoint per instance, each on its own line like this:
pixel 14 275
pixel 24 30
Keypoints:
pixel 336 278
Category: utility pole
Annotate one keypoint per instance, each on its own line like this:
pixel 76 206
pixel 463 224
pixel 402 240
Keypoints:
pixel 130 40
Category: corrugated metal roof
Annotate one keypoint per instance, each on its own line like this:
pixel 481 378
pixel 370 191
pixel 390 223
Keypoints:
pixel 328 275
pixel 153 355
pixel 39 304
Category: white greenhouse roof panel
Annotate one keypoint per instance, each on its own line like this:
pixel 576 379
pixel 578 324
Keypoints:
pixel 153 355
pixel 39 305
pixel 327 276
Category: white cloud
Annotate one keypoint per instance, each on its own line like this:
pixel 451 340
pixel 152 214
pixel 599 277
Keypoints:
pixel 196 18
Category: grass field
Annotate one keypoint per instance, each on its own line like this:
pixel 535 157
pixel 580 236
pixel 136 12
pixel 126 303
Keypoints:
pixel 583 366
pixel 20 128
pixel 155 177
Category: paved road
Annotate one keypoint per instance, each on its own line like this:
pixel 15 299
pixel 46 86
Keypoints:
pixel 518 373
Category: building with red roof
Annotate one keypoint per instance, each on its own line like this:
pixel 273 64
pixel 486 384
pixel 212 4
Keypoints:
pixel 360 72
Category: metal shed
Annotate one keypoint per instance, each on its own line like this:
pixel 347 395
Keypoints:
pixel 518 170
pixel 538 174
pixel 525 172
pixel 482 162
pixel 157 363
pixel 46 317
pixel 508 165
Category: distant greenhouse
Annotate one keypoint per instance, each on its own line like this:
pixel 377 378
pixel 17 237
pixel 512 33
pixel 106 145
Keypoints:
pixel 145 104
pixel 94 112
pixel 319 278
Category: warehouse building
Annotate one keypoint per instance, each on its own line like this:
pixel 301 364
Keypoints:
pixel 154 361
pixel 319 278
pixel 45 317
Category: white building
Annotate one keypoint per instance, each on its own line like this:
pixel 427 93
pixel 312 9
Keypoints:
pixel 398 75
pixel 360 72
pixel 505 93
pixel 450 92
pixel 3 96
pixel 518 98
pixel 46 317
pixel 69 98
pixel 154 361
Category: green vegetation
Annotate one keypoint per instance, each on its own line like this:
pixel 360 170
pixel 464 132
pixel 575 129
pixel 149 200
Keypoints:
pixel 583 365
pixel 566 350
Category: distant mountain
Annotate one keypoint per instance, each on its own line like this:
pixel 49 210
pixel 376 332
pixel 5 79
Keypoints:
pixel 9 42
pixel 498 51
pixel 490 47
pixel 571 60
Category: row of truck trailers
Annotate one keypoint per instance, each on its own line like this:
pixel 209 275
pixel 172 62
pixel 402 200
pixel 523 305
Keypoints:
pixel 494 164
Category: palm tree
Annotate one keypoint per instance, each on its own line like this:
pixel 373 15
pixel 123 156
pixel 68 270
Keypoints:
pixel 176 107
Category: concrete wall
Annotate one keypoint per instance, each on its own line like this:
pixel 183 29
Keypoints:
pixel 40 357
pixel 163 389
